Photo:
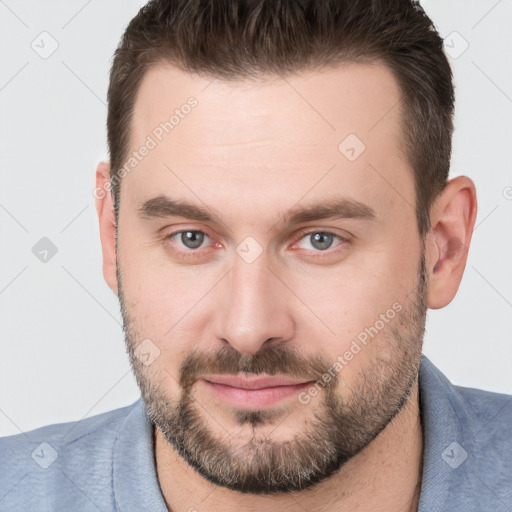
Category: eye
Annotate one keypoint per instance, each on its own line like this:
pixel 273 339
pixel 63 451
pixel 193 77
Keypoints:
pixel 190 239
pixel 320 240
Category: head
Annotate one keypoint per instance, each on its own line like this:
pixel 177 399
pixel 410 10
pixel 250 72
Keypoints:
pixel 280 205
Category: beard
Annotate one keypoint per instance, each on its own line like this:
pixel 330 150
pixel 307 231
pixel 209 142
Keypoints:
pixel 339 428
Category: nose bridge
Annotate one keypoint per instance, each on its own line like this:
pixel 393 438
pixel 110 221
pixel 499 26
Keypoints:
pixel 253 310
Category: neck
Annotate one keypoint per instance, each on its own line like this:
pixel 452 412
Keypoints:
pixel 385 476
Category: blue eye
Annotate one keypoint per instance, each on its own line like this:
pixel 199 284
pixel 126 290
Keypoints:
pixel 191 239
pixel 321 240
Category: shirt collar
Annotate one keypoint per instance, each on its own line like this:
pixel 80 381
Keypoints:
pixel 135 479
pixel 446 441
pixel 462 437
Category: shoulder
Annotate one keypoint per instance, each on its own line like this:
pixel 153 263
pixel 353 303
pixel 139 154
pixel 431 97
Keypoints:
pixel 488 435
pixel 468 445
pixel 472 407
pixel 478 412
pixel 64 457
pixel 487 406
pixel 489 420
pixel 100 428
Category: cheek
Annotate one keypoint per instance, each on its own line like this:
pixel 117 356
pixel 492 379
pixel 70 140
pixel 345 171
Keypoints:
pixel 159 332
pixel 150 288
pixel 360 302
pixel 165 306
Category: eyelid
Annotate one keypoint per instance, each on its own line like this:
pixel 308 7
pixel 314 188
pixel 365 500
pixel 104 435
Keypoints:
pixel 308 231
pixel 298 237
pixel 184 230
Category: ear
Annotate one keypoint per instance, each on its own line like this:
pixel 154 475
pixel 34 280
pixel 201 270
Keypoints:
pixel 452 219
pixel 106 216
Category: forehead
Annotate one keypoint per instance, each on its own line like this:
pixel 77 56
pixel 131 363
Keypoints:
pixel 350 97
pixel 272 135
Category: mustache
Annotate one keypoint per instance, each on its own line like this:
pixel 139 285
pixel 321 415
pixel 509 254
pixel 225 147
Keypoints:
pixel 269 360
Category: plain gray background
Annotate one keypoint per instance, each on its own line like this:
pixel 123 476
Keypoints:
pixel 62 349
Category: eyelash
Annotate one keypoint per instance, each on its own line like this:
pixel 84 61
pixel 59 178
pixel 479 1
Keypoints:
pixel 196 252
pixel 330 250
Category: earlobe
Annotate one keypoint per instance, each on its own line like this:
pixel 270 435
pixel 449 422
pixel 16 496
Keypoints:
pixel 106 217
pixel 452 218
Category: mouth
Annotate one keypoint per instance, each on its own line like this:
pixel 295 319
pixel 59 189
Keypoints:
pixel 253 392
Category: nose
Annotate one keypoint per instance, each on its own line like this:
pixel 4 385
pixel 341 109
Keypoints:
pixel 253 308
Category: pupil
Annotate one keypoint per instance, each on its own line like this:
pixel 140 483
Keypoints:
pixel 321 240
pixel 192 239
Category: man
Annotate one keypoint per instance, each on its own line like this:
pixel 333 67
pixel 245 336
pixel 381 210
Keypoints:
pixel 276 219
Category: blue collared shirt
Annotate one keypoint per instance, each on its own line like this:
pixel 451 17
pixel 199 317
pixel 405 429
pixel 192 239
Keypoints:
pixel 106 462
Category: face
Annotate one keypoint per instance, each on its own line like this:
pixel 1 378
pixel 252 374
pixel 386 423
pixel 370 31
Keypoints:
pixel 270 273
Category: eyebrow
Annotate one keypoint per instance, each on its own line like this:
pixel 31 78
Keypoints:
pixel 339 208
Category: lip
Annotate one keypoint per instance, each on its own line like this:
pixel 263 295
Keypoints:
pixel 255 392
pixel 253 382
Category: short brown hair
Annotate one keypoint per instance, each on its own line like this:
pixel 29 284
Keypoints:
pixel 232 39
